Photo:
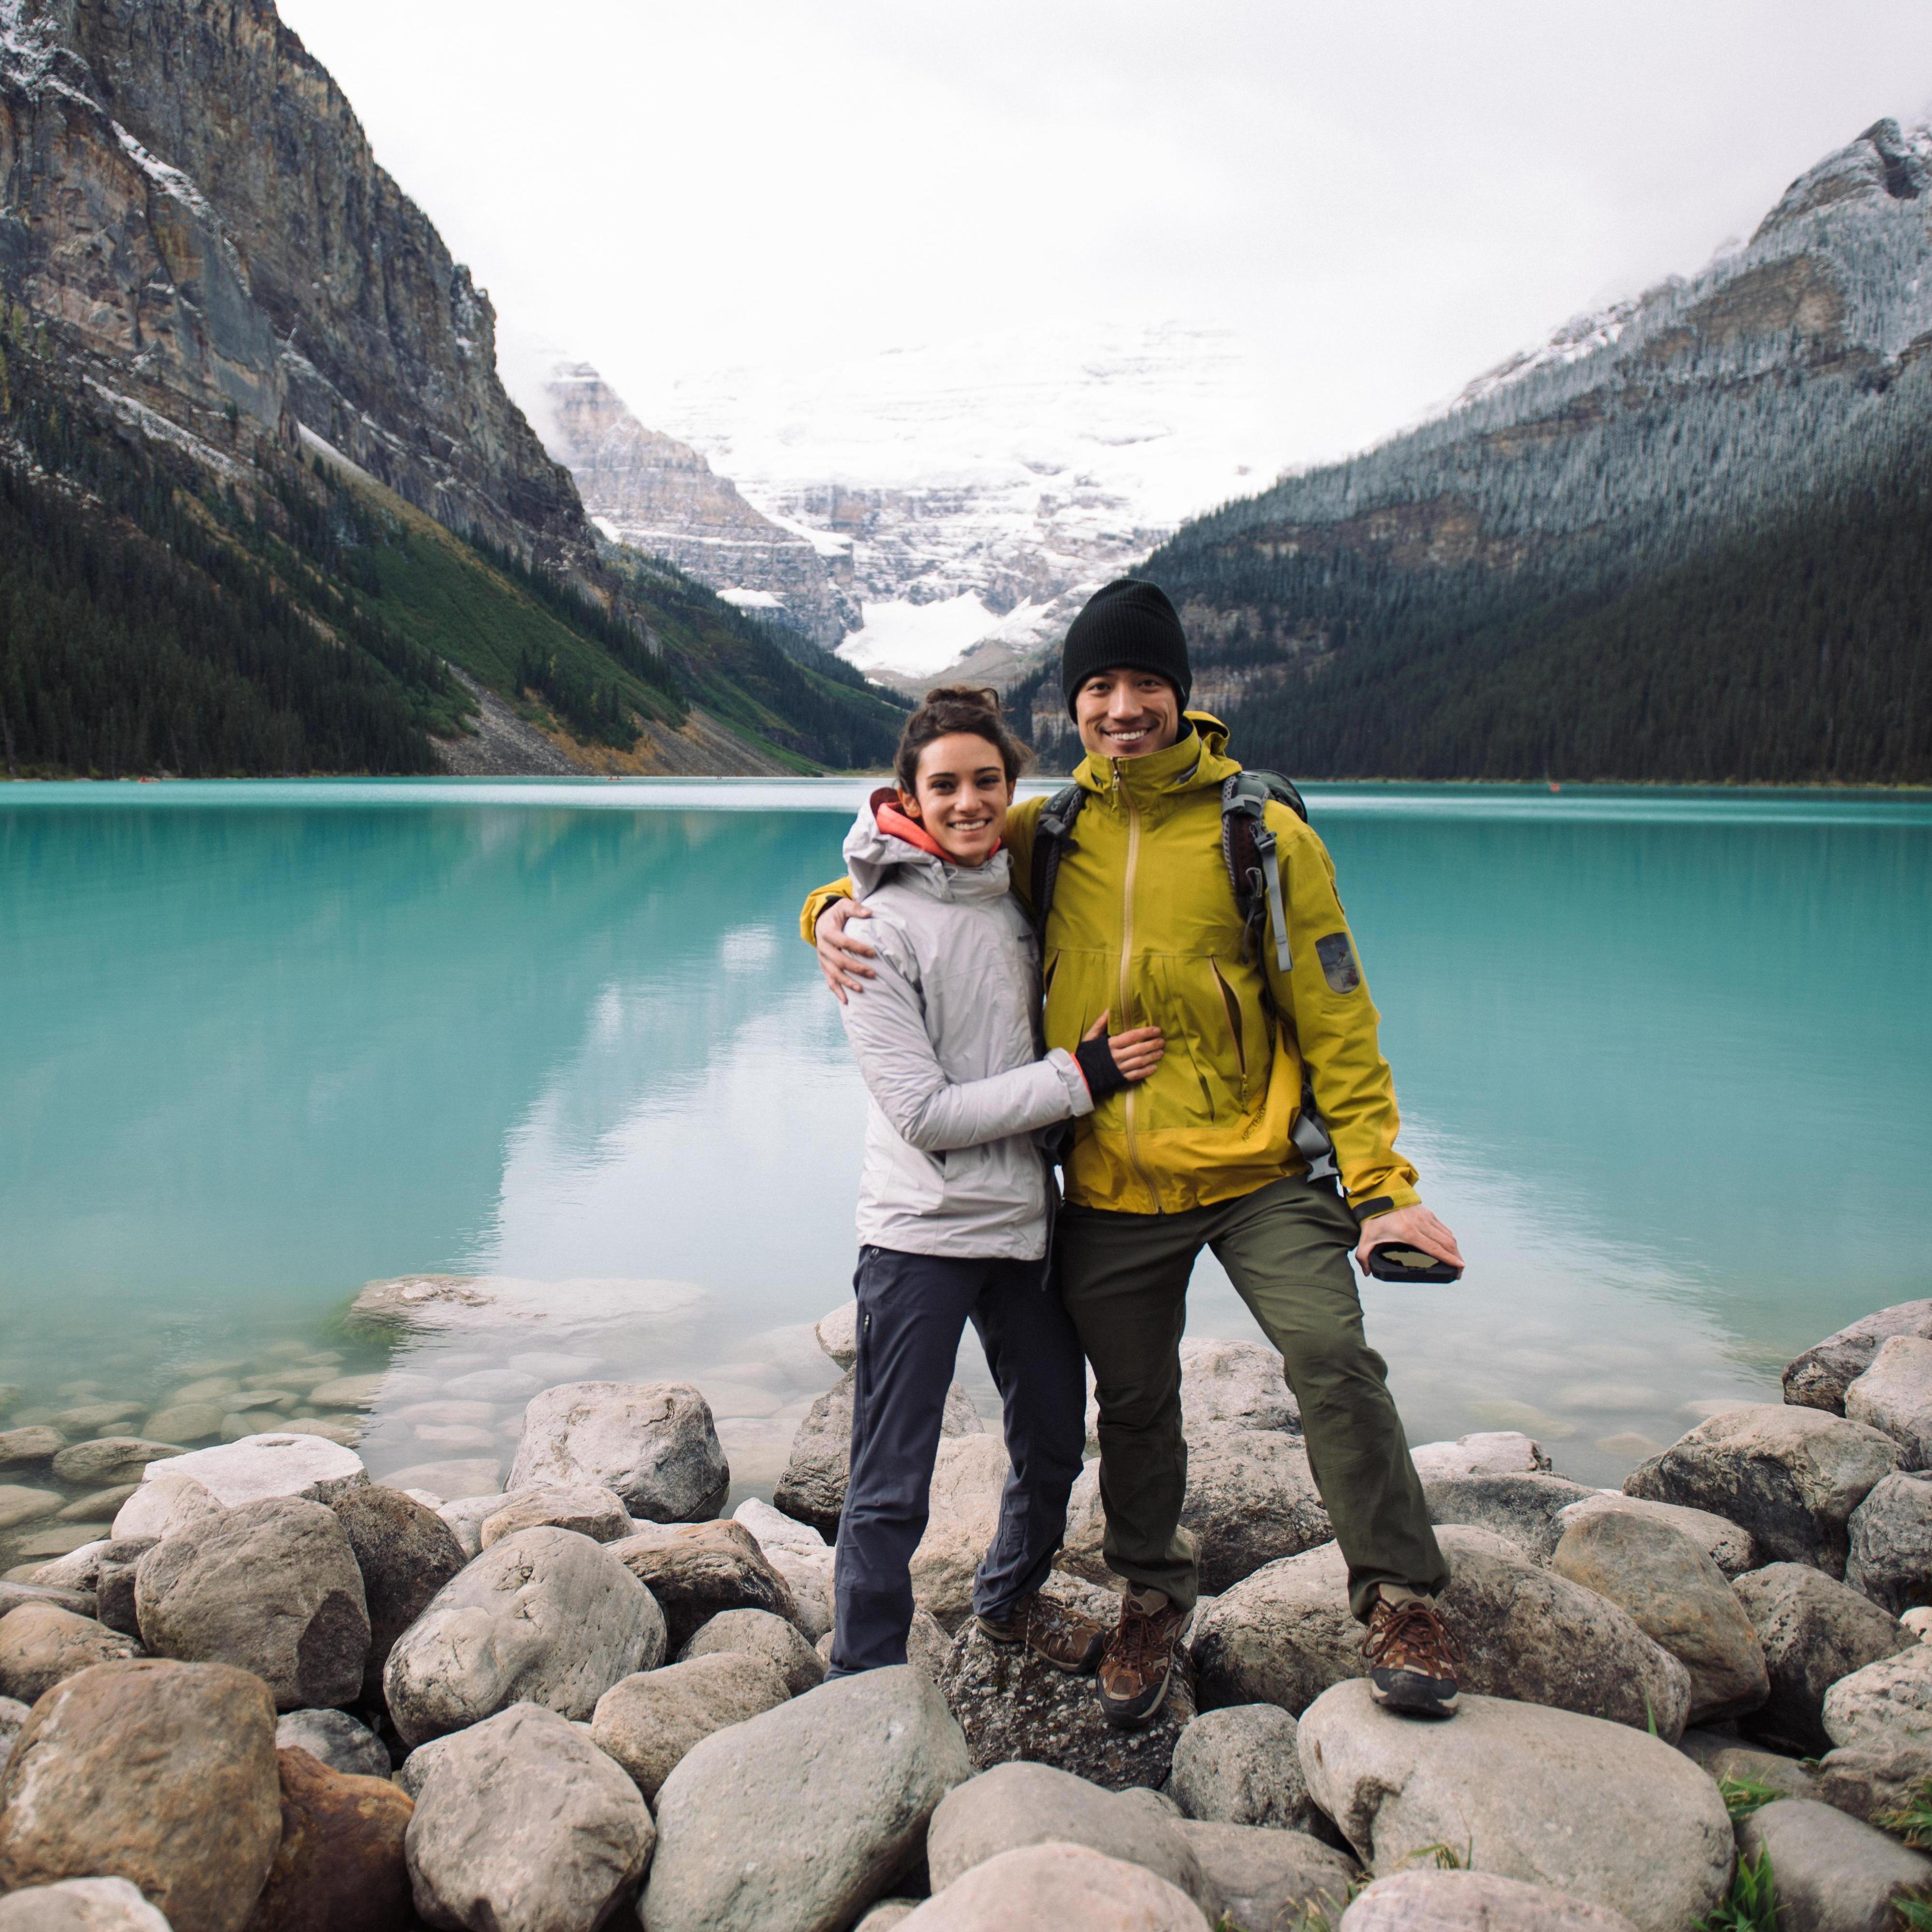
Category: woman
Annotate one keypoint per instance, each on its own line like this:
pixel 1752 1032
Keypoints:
pixel 956 1195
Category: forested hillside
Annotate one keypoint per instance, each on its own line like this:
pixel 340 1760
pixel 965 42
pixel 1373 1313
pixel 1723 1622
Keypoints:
pixel 1684 538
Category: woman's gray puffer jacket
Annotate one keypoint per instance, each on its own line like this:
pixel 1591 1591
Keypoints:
pixel 949 1042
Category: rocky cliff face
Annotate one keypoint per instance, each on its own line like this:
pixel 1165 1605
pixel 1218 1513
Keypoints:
pixel 188 201
pixel 661 497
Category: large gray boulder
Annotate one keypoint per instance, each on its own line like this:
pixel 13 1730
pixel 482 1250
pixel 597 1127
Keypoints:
pixel 334 1738
pixel 1814 1631
pixel 1885 1708
pixel 969 1477
pixel 758 1633
pixel 80 1905
pixel 802 1817
pixel 1490 1452
pixel 838 1334
pixel 1678 1598
pixel 1250 1499
pixel 812 1489
pixel 1523 1510
pixel 1526 1633
pixel 1818 1378
pixel 1791 1476
pixel 257 1468
pixel 523 1823
pixel 1429 1900
pixel 800 1555
pixel 406 1553
pixel 1011 1704
pixel 1833 1873
pixel 1895 1394
pixel 1051 1888
pixel 1017 1804
pixel 1281 1636
pixel 1889 1557
pixel 545 1617
pixel 42 1645
pixel 162 1774
pixel 1269 1878
pixel 653 1443
pixel 1730 1548
pixel 1238 1383
pixel 591 1510
pixel 648 1722
pixel 1600 1811
pixel 271 1587
pixel 1240 1765
pixel 697 1569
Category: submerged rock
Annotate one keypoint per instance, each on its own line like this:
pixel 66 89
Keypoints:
pixel 545 1617
pixel 109 1459
pixel 803 1815
pixel 160 1773
pixel 653 1443
pixel 1791 1476
pixel 1600 1811
pixel 271 1587
pixel 523 1821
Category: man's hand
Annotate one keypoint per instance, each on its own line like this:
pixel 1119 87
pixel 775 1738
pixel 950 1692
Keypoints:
pixel 1414 1226
pixel 842 958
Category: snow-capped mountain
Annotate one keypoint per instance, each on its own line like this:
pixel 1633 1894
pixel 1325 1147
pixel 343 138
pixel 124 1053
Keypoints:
pixel 974 492
pixel 660 496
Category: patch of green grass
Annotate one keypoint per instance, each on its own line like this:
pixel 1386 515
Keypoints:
pixel 1753 1904
pixel 1744 1795
pixel 1914 1909
pixel 1912 1820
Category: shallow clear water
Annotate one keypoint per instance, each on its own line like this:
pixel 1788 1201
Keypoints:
pixel 1664 1059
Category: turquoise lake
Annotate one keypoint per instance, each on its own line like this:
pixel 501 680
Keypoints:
pixel 1663 1058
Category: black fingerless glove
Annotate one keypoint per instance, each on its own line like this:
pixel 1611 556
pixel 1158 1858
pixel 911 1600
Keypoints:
pixel 1096 1062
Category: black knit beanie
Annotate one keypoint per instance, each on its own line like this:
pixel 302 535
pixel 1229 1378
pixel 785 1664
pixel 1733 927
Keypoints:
pixel 1126 624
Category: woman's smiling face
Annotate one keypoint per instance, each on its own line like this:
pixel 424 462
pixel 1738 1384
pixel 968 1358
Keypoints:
pixel 962 798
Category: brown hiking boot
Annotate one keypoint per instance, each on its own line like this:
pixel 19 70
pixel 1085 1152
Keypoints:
pixel 1066 1638
pixel 1412 1659
pixel 1138 1663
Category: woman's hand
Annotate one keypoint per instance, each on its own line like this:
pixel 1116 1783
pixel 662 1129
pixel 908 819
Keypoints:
pixel 1136 1052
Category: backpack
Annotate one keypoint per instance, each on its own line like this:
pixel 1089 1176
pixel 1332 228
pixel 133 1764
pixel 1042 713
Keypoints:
pixel 1248 848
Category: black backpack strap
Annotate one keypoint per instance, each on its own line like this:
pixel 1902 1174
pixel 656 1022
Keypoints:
pixel 1248 847
pixel 1052 835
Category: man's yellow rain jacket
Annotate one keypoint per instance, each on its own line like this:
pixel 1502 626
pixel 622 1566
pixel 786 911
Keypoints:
pixel 1144 926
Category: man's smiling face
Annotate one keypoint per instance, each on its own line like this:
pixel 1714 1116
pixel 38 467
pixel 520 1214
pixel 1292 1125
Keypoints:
pixel 1123 713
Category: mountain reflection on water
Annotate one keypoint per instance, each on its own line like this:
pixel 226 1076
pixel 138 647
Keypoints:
pixel 1662 1058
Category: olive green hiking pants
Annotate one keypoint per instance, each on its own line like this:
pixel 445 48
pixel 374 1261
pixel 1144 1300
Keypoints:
pixel 1123 1279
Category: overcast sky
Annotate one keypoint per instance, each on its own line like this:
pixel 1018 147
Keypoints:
pixel 1384 200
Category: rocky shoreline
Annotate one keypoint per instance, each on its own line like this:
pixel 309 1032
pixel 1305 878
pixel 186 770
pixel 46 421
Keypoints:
pixel 257 1690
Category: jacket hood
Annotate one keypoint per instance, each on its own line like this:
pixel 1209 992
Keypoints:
pixel 1198 758
pixel 876 852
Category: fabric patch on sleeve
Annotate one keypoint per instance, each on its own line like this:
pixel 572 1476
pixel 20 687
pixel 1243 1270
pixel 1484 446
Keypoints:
pixel 1338 962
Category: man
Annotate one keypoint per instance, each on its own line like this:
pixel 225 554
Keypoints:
pixel 1144 923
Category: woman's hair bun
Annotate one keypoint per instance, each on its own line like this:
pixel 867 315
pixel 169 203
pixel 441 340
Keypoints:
pixel 981 697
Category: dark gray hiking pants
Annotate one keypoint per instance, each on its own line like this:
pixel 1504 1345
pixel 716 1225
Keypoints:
pixel 912 1310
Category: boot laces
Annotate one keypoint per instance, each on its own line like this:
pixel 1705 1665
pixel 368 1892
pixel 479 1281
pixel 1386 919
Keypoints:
pixel 1415 1626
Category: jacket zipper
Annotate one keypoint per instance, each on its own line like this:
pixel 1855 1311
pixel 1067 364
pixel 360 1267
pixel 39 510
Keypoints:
pixel 1126 956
